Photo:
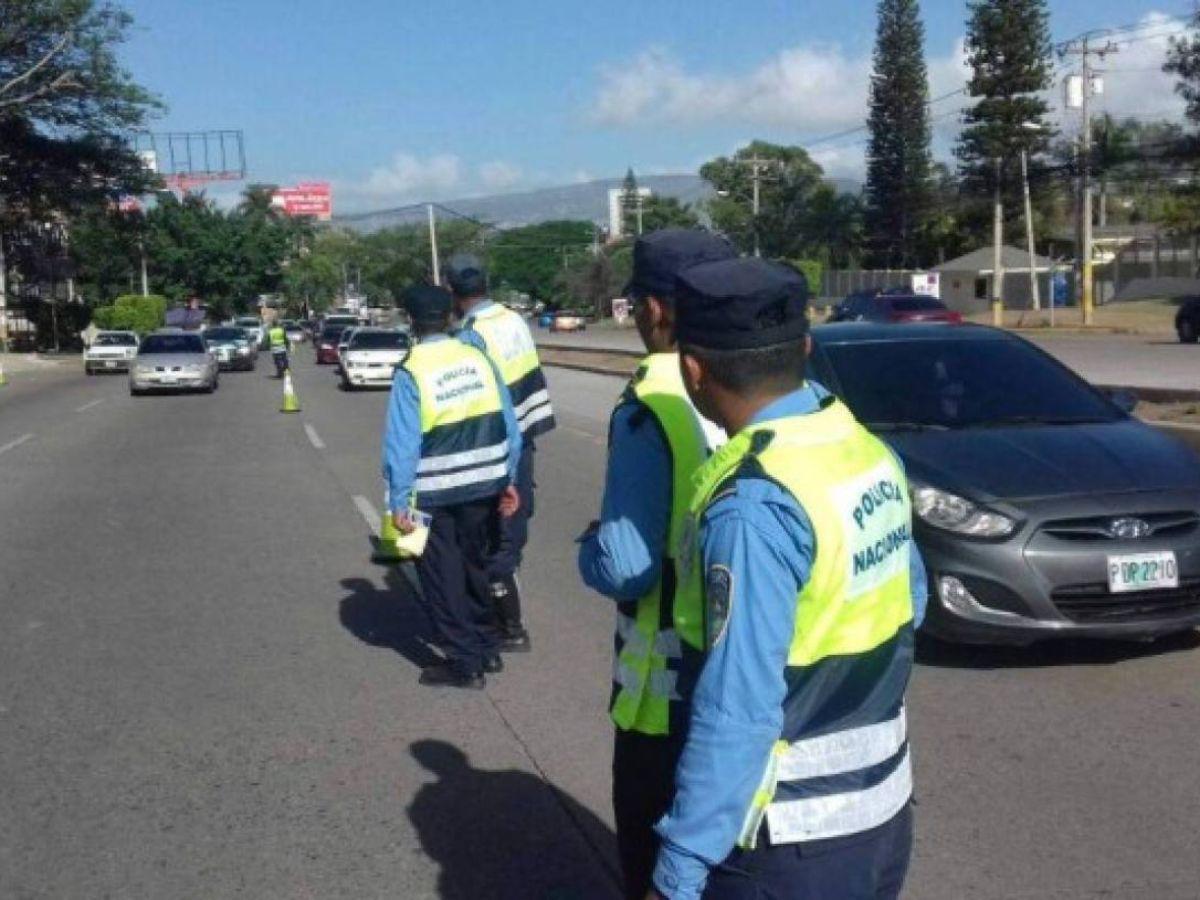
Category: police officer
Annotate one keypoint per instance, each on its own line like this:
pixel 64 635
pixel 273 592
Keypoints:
pixel 795 778
pixel 450 451
pixel 656 443
pixel 505 337
pixel 277 338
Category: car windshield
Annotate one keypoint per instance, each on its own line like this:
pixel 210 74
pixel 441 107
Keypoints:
pixel 332 333
pixel 379 340
pixel 115 340
pixel 960 384
pixel 218 335
pixel 912 304
pixel 172 343
pixel 248 322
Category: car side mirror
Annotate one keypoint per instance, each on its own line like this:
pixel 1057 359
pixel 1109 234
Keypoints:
pixel 1125 400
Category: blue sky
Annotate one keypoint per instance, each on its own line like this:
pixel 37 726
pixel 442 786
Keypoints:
pixel 400 101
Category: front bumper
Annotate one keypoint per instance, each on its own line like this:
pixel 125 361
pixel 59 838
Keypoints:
pixel 371 376
pixel 1038 585
pixel 180 383
pixel 106 365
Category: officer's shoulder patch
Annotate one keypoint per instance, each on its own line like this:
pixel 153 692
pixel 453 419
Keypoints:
pixel 719 596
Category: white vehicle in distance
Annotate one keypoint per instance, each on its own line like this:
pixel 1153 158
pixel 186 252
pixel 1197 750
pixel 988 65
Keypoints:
pixel 371 357
pixel 111 351
pixel 343 343
pixel 253 326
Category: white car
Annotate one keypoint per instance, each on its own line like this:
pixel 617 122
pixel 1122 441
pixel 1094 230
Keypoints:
pixel 343 343
pixel 253 326
pixel 111 351
pixel 371 357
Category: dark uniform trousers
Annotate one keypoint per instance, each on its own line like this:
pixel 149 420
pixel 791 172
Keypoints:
pixel 643 788
pixel 512 534
pixel 454 581
pixel 867 866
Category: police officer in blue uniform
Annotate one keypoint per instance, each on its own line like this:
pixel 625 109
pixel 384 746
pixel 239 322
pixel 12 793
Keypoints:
pixel 795 778
pixel 656 442
pixel 450 452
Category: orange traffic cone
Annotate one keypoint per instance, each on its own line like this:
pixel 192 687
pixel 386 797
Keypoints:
pixel 290 403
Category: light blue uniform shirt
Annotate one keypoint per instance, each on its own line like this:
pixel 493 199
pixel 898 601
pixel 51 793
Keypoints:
pixel 737 706
pixel 402 433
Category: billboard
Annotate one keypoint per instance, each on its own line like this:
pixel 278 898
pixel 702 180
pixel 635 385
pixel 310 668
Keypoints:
pixel 308 198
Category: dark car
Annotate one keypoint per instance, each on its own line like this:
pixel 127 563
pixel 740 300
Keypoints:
pixel 1187 321
pixel 233 347
pixel 893 307
pixel 1041 507
pixel 326 344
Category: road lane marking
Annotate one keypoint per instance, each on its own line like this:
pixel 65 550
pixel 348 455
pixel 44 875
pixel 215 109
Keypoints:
pixel 88 406
pixel 367 510
pixel 313 437
pixel 11 445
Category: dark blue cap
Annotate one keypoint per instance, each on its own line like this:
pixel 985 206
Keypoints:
pixel 660 256
pixel 740 304
pixel 465 274
pixel 427 303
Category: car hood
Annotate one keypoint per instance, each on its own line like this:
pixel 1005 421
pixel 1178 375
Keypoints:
pixel 170 360
pixel 1049 461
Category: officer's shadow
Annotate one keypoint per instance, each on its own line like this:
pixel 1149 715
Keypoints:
pixel 506 835
pixel 392 616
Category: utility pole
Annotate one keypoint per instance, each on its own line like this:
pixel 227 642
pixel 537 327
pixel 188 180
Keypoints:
pixel 1083 48
pixel 433 251
pixel 757 167
pixel 145 274
pixel 1034 291
pixel 639 213
pixel 998 246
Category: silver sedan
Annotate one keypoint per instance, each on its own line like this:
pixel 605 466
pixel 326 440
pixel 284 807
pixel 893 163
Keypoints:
pixel 172 361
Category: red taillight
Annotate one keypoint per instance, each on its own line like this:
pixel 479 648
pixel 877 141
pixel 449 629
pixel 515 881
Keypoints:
pixel 955 317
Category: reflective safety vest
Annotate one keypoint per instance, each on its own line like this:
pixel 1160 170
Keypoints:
pixel 511 347
pixel 464 441
pixel 842 764
pixel 278 337
pixel 660 637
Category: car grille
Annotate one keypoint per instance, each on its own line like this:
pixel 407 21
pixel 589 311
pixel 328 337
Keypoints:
pixel 1092 528
pixel 1092 603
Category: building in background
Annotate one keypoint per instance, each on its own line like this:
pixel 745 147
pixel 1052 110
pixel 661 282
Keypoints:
pixel 616 217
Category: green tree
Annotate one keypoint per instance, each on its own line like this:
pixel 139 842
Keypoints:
pixel 667 212
pixel 1183 61
pixel 132 312
pixel 631 202
pixel 898 159
pixel 530 259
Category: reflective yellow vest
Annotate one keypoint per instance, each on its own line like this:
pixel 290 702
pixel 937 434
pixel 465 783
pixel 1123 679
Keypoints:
pixel 464 442
pixel 841 765
pixel 278 337
pixel 660 636
pixel 511 347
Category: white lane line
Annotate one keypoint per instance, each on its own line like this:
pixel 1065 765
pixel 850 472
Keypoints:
pixel 367 511
pixel 88 406
pixel 4 448
pixel 313 437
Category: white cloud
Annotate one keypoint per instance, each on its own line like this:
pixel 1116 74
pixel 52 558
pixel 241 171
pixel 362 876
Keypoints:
pixel 498 175
pixel 1134 82
pixel 407 175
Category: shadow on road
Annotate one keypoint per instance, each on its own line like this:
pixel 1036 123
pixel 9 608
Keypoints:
pixel 942 655
pixel 391 616
pixel 506 835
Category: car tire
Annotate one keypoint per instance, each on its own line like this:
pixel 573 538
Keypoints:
pixel 1188 333
pixel 134 392
pixel 90 371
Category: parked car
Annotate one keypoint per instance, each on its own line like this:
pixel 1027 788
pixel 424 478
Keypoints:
pixel 568 321
pixel 173 360
pixel 1187 321
pixel 371 357
pixel 233 348
pixel 889 307
pixel 326 344
pixel 111 351
pixel 1041 507
pixel 254 327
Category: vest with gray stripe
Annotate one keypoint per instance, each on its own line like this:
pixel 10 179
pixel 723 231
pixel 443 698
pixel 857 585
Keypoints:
pixel 463 461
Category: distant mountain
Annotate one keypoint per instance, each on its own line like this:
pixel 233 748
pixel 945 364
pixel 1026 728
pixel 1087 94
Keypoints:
pixel 587 201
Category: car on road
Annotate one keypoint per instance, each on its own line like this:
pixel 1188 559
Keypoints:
pixel 173 360
pixel 342 344
pixel 233 347
pixel 568 321
pixel 254 327
pixel 892 307
pixel 1041 506
pixel 326 344
pixel 371 357
pixel 294 331
pixel 1187 320
pixel 110 351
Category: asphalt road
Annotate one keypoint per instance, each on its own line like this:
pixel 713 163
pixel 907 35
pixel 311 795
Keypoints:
pixel 1111 359
pixel 207 690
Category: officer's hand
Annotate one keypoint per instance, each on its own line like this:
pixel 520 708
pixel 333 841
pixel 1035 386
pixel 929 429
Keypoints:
pixel 510 502
pixel 402 522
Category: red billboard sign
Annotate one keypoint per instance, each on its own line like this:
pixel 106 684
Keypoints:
pixel 308 198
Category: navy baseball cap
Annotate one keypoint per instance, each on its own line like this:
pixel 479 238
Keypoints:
pixel 660 256
pixel 465 274
pixel 740 304
pixel 427 303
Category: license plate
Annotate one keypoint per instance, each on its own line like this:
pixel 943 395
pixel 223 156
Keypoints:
pixel 166 379
pixel 1142 572
pixel 110 364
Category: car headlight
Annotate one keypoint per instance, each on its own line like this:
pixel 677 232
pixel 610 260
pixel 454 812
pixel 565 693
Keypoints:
pixel 956 514
pixel 193 369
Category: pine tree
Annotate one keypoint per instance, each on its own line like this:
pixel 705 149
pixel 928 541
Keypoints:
pixel 898 160
pixel 630 201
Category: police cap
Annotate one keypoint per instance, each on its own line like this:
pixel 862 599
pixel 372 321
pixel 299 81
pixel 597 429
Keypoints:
pixel 660 256
pixel 465 274
pixel 427 303
pixel 740 304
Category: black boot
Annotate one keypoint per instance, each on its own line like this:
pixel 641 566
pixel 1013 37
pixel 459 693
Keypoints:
pixel 506 595
pixel 449 675
pixel 493 665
